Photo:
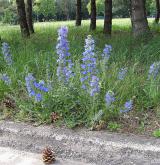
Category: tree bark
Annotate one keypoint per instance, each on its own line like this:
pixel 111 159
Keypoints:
pixel 78 13
pixel 22 18
pixel 138 18
pixel 93 15
pixel 108 17
pixel 29 15
pixel 158 11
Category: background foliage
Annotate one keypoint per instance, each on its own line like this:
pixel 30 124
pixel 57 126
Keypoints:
pixel 48 10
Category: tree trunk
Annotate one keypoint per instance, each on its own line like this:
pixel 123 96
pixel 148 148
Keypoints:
pixel 78 13
pixel 108 17
pixel 29 15
pixel 158 11
pixel 22 18
pixel 139 19
pixel 93 15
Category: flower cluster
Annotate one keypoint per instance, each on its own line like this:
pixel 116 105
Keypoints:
pixel 89 73
pixel 64 70
pixel 122 73
pixel 94 84
pixel 127 107
pixel 31 83
pixel 109 98
pixel 154 70
pixel 6 53
pixel 107 52
pixel 41 86
pixel 4 77
pixel 89 62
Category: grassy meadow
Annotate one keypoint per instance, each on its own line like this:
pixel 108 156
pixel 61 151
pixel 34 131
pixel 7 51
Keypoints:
pixel 70 105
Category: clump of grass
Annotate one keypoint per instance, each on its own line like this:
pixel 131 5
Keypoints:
pixel 113 126
pixel 156 133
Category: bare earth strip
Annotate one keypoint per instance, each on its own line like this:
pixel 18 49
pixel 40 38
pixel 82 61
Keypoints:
pixel 100 148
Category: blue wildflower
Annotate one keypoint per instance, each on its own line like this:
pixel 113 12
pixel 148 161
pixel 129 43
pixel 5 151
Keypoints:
pixel 4 77
pixel 107 52
pixel 154 70
pixel 127 107
pixel 122 73
pixel 89 62
pixel 32 85
pixel 29 81
pixel 94 85
pixel 6 53
pixel 41 86
pixel 109 98
pixel 38 97
pixel 64 70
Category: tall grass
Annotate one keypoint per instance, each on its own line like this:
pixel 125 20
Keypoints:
pixel 73 105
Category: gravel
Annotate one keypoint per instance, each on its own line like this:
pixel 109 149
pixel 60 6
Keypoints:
pixel 100 148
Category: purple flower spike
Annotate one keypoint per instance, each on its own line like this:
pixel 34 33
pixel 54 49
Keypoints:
pixel 154 70
pixel 64 69
pixel 6 53
pixel 38 97
pixel 32 87
pixel 127 107
pixel 107 52
pixel 94 84
pixel 29 81
pixel 109 98
pixel 4 77
pixel 89 63
pixel 122 73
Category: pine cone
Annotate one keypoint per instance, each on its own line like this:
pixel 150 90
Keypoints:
pixel 54 116
pixel 9 103
pixel 48 155
pixel 98 126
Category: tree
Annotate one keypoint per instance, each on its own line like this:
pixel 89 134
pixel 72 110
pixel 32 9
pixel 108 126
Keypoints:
pixel 78 13
pixel 139 18
pixel 158 11
pixel 108 17
pixel 29 15
pixel 93 15
pixel 99 7
pixel 22 18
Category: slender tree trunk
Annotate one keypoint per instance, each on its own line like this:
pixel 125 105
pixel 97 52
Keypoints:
pixel 29 15
pixel 158 11
pixel 78 13
pixel 93 15
pixel 22 18
pixel 139 18
pixel 108 17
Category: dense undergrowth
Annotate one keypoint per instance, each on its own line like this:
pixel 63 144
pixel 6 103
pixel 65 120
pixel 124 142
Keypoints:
pixel 120 74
